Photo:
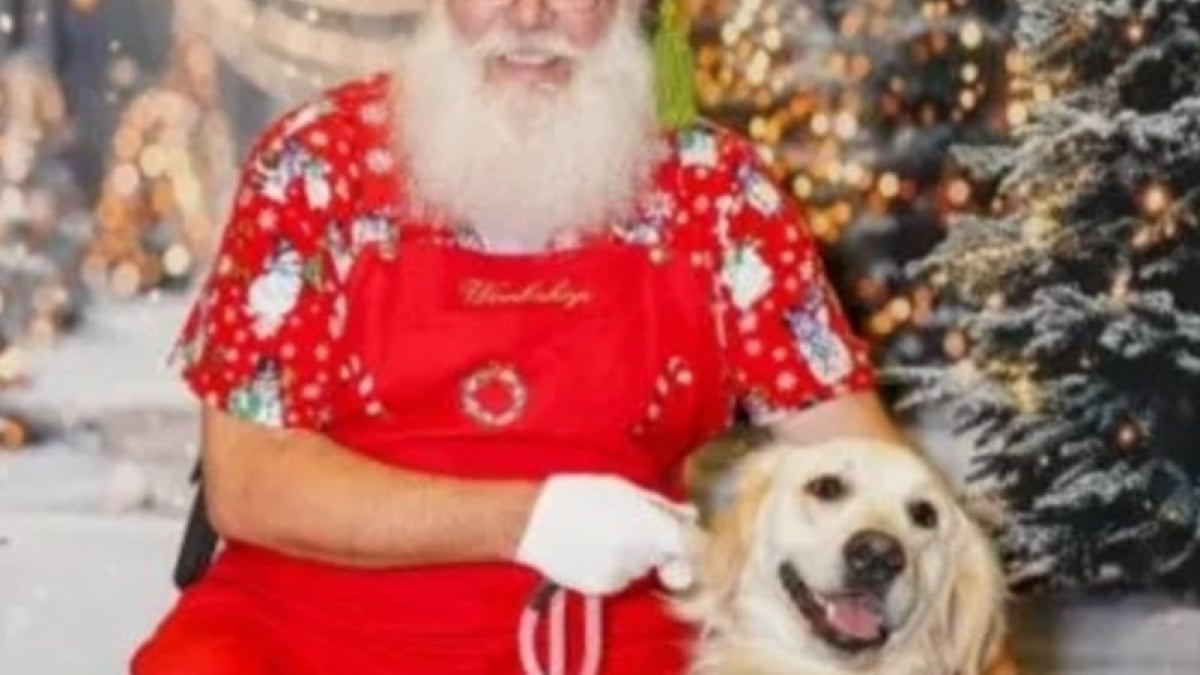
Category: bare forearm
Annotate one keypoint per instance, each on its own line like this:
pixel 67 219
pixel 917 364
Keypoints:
pixel 309 497
pixel 860 414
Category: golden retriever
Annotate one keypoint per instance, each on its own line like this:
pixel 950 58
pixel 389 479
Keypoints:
pixel 847 557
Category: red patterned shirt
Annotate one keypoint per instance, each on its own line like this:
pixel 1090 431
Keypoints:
pixel 265 340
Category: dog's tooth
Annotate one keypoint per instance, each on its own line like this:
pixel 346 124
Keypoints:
pixel 825 604
pixel 830 609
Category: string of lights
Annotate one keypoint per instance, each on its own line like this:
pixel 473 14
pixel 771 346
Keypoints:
pixel 856 105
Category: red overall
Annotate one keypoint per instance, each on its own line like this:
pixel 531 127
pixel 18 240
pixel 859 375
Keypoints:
pixel 487 366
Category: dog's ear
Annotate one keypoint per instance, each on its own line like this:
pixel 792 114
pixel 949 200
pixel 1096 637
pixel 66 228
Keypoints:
pixel 731 529
pixel 971 615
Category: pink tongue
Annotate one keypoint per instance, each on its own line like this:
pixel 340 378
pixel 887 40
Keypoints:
pixel 857 617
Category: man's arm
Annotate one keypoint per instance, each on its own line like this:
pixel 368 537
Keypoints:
pixel 856 414
pixel 300 493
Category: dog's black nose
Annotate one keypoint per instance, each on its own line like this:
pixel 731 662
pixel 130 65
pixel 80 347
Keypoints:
pixel 873 558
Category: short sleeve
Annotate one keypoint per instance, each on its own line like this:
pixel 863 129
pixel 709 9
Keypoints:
pixel 787 341
pixel 263 339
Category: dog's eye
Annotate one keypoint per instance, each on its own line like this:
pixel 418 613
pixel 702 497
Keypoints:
pixel 923 514
pixel 827 488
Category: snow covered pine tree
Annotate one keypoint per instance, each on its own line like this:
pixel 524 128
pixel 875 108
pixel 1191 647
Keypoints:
pixel 1081 385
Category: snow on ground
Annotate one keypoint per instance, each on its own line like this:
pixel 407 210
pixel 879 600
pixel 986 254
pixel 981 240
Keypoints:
pixel 89 525
pixel 78 591
pixel 115 362
pixel 1132 636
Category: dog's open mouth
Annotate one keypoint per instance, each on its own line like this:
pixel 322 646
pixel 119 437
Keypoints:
pixel 850 620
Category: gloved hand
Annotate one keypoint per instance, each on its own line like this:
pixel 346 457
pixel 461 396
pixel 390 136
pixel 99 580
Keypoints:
pixel 595 534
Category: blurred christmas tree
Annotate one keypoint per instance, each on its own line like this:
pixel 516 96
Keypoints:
pixel 43 222
pixel 171 165
pixel 1082 376
pixel 855 102
pixel 171 158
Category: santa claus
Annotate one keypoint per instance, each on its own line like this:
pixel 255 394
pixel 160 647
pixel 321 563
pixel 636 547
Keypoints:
pixel 524 282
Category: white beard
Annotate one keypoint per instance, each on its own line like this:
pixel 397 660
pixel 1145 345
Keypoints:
pixel 520 165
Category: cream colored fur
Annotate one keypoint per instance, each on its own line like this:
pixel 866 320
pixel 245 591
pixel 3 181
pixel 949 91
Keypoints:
pixel 947 605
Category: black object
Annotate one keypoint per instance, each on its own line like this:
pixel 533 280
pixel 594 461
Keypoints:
pixel 199 539
pixel 873 559
pixel 542 595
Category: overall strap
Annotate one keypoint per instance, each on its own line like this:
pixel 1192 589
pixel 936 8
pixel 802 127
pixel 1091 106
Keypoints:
pixel 199 539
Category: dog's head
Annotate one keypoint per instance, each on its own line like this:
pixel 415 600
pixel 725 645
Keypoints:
pixel 851 553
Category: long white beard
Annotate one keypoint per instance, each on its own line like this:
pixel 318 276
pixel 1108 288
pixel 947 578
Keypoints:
pixel 519 165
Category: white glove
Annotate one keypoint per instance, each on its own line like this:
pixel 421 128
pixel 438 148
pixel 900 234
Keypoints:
pixel 595 534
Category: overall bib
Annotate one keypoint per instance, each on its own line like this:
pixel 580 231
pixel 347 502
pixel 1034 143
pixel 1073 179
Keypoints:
pixel 493 367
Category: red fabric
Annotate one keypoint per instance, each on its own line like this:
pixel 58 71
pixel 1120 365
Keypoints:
pixel 225 628
pixel 332 309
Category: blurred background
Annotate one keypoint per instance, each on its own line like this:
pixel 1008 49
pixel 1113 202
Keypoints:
pixel 1006 191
